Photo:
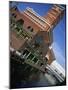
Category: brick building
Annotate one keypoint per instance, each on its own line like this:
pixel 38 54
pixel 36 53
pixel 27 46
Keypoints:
pixel 32 35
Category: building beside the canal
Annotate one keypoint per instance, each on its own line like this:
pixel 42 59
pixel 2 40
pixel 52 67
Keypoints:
pixel 31 37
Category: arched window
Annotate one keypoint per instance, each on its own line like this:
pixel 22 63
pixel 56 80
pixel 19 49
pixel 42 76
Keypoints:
pixel 30 28
pixel 20 22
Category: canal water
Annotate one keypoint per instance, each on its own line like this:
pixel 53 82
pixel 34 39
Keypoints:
pixel 24 76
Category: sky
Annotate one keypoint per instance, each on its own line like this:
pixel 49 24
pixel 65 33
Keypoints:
pixel 59 31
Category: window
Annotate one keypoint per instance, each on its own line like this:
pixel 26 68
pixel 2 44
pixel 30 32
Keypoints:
pixel 20 22
pixel 30 28
pixel 45 69
pixel 25 52
pixel 30 56
pixel 14 15
pixel 41 64
pixel 35 60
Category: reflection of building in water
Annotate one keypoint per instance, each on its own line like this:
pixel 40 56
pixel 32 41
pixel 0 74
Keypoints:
pixel 31 37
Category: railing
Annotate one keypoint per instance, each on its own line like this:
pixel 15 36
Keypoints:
pixel 33 61
pixel 61 79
